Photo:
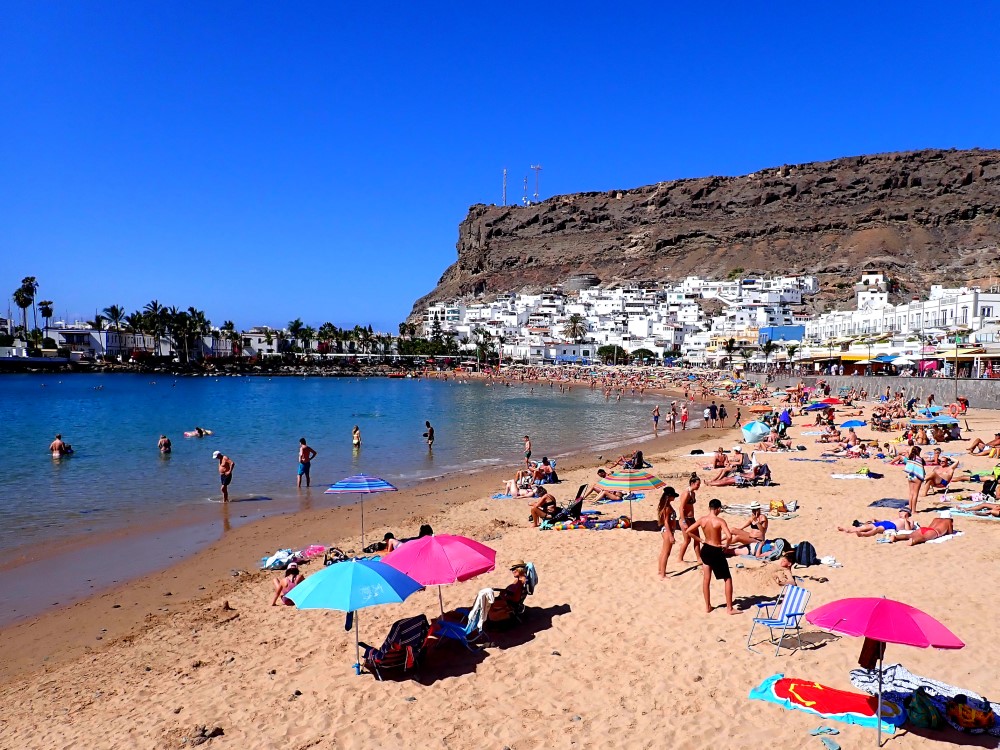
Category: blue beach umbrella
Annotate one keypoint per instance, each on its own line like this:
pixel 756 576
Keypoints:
pixel 363 484
pixel 352 585
pixel 816 407
pixel 754 432
pixel 854 423
pixel 943 419
pixel 932 409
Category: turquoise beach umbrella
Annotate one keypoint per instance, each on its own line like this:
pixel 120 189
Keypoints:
pixel 352 585
pixel 754 432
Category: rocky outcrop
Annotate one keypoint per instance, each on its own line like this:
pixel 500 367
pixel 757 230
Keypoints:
pixel 923 216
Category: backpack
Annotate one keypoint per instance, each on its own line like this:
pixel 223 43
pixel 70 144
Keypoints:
pixel 921 712
pixel 805 554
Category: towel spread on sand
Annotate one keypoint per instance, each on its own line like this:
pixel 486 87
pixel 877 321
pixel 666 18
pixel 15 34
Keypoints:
pixel 851 476
pixel 830 703
pixel 889 502
pixel 500 496
pixel 946 538
pixel 816 460
pixel 899 682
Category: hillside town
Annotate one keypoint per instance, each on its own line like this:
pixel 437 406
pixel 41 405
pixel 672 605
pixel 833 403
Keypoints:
pixel 752 322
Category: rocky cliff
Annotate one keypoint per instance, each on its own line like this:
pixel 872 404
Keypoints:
pixel 923 216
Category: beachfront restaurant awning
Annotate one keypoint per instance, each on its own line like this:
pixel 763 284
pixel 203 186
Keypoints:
pixel 973 353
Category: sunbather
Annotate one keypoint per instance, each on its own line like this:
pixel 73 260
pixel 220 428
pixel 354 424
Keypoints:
pixel 938 478
pixel 602 493
pixel 874 528
pixel 753 533
pixel 543 508
pixel 984 509
pixel 283 585
pixel 508 600
pixel 979 446
pixel 940 526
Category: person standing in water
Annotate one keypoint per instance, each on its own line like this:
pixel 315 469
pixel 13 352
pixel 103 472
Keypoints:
pixel 57 447
pixel 656 419
pixel 429 435
pixel 306 455
pixel 527 451
pixel 226 466
pixel 164 444
pixel 356 437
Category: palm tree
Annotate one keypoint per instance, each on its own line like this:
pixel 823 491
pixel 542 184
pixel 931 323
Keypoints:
pixel 228 331
pixel 30 286
pixel 576 327
pixel 768 349
pixel 746 354
pixel 156 321
pixel 199 325
pixel 23 299
pixel 294 330
pixel 308 334
pixel 791 349
pixel 115 315
pixel 268 338
pixel 97 323
pixel 730 347
pixel 45 307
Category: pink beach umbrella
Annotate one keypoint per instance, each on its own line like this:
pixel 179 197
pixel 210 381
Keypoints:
pixel 885 621
pixel 440 559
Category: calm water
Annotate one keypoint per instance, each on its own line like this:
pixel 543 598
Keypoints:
pixel 117 478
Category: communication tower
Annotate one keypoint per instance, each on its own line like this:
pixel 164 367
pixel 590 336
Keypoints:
pixel 537 168
pixel 505 186
pixel 524 198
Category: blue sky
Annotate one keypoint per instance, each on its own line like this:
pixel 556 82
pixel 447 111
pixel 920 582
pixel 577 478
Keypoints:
pixel 265 161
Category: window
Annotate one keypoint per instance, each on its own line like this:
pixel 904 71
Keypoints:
pixel 987 312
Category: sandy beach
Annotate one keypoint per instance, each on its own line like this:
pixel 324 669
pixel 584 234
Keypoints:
pixel 609 656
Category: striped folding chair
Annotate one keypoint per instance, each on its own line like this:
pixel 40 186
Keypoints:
pixel 788 610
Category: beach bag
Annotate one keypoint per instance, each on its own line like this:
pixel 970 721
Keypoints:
pixel 921 712
pixel 968 717
pixel 805 554
pixel 778 506
pixel 914 470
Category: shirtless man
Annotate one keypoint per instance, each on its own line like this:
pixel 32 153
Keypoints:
pixel 164 444
pixel 527 451
pixel 57 447
pixel 656 419
pixel 874 528
pixel 713 555
pixel 940 526
pixel 306 455
pixel 686 516
pixel 226 466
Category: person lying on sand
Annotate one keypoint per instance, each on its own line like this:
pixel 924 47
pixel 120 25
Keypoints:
pixel 602 494
pixel 940 526
pixel 979 446
pixel 984 509
pixel 523 480
pixel 874 528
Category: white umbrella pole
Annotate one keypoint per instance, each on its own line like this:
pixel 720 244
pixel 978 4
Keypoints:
pixel 878 721
pixel 357 646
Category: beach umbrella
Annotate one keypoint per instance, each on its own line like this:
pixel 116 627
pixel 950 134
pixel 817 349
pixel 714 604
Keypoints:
pixel 902 362
pixel 943 419
pixel 831 401
pixel 754 432
pixel 363 484
pixel 815 407
pixel 439 559
pixel 854 423
pixel 760 409
pixel 628 481
pixel 352 585
pixel 884 621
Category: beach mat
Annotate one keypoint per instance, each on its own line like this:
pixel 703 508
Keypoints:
pixel 501 496
pixel 889 502
pixel 853 476
pixel 816 460
pixel 970 514
pixel 829 703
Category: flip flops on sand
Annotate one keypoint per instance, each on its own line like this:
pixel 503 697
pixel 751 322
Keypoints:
pixel 824 730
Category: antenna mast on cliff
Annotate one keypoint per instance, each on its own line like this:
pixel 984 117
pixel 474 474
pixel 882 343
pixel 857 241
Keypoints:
pixel 537 168
pixel 505 186
pixel 524 198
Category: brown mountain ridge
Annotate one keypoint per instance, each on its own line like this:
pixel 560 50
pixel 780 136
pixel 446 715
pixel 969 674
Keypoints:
pixel 925 217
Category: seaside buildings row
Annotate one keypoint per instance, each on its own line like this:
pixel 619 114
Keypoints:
pixel 710 323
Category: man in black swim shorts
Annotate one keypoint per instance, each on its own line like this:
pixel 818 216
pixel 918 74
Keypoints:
pixel 713 555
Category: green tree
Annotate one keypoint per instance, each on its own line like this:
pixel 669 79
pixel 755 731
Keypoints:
pixel 730 347
pixel 23 299
pixel 115 315
pixel 45 308
pixel 308 335
pixel 295 330
pixel 791 349
pixel 576 327
pixel 612 353
pixel 157 320
pixel 768 348
pixel 641 355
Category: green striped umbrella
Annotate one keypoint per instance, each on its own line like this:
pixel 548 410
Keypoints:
pixel 629 481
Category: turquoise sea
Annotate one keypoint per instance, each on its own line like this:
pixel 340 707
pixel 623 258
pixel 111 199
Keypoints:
pixel 117 479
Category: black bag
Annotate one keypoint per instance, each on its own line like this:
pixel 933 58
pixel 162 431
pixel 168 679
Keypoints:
pixel 805 555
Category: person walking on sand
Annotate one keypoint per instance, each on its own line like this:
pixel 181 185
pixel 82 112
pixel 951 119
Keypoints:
pixel 722 416
pixel 656 419
pixel 527 451
pixel 226 466
pixel 738 422
pixel 713 553
pixel 429 435
pixel 164 444
pixel 306 455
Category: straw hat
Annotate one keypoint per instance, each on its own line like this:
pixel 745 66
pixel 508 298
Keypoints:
pixel 754 505
pixel 517 564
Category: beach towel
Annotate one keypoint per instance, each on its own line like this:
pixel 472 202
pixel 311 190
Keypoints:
pixel 481 608
pixel 820 432
pixel 898 680
pixel 971 514
pixel 500 496
pixel 945 538
pixel 889 502
pixel 816 460
pixel 829 703
pixel 853 476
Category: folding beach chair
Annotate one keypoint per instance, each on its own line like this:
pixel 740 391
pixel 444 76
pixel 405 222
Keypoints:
pixel 403 647
pixel 469 634
pixel 790 608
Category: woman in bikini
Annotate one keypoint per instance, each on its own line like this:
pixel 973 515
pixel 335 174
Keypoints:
pixel 282 586
pixel 753 533
pixel 667 517
pixel 915 478
pixel 686 516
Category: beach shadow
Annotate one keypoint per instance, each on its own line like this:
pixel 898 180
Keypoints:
pixel 749 603
pixel 947 735
pixel 447 658
pixel 692 566
pixel 815 639
pixel 645 526
pixel 535 620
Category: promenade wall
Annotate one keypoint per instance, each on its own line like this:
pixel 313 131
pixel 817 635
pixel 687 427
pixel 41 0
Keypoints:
pixel 984 394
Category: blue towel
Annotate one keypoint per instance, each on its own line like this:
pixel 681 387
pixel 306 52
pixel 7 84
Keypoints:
pixel 889 502
pixel 500 496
